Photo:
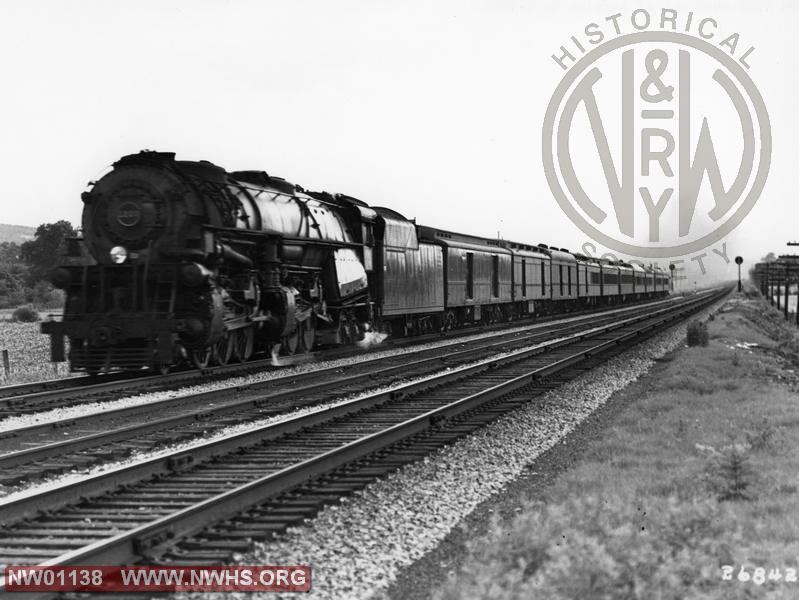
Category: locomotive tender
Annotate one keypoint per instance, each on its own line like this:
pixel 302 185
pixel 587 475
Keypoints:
pixel 183 260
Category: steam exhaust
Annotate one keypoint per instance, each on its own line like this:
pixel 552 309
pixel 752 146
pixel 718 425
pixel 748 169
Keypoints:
pixel 371 338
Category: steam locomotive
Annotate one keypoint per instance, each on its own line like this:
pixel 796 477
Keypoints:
pixel 182 260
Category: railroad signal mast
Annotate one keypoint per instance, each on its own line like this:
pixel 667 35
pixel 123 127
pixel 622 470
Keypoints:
pixel 738 261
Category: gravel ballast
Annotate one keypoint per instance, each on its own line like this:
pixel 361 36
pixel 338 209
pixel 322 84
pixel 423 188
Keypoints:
pixel 358 547
pixel 24 487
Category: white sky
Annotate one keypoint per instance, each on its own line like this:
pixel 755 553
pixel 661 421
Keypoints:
pixel 431 108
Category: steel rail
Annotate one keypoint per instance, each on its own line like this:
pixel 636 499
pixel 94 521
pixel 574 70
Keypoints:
pixel 23 505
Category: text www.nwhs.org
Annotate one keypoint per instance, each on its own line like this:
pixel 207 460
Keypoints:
pixel 187 578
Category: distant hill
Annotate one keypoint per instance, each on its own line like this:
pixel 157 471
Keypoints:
pixel 16 233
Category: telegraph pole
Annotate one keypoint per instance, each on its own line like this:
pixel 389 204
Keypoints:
pixel 787 287
pixel 770 284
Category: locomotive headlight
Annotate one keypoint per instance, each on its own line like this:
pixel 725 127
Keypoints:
pixel 118 254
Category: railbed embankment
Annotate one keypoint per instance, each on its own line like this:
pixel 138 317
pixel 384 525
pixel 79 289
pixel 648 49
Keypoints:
pixel 689 469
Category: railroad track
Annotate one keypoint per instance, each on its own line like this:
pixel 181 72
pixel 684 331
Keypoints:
pixel 50 448
pixel 29 398
pixel 202 504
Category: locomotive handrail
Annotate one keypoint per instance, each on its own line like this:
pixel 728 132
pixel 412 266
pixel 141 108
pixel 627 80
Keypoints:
pixel 280 237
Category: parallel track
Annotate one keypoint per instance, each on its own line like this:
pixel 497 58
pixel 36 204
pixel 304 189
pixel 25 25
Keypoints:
pixel 30 398
pixel 32 452
pixel 253 484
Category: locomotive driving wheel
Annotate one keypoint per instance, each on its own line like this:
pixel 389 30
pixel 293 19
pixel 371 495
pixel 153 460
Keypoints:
pixel 223 349
pixel 243 341
pixel 201 357
pixel 308 333
pixel 290 343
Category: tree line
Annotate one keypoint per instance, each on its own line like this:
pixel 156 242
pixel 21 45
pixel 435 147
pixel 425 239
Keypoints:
pixel 24 268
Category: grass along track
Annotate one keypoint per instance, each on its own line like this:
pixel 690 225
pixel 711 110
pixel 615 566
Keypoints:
pixel 99 520
pixel 693 467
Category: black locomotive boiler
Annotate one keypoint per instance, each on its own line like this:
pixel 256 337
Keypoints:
pixel 182 260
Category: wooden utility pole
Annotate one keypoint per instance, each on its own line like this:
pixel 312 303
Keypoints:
pixel 787 288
